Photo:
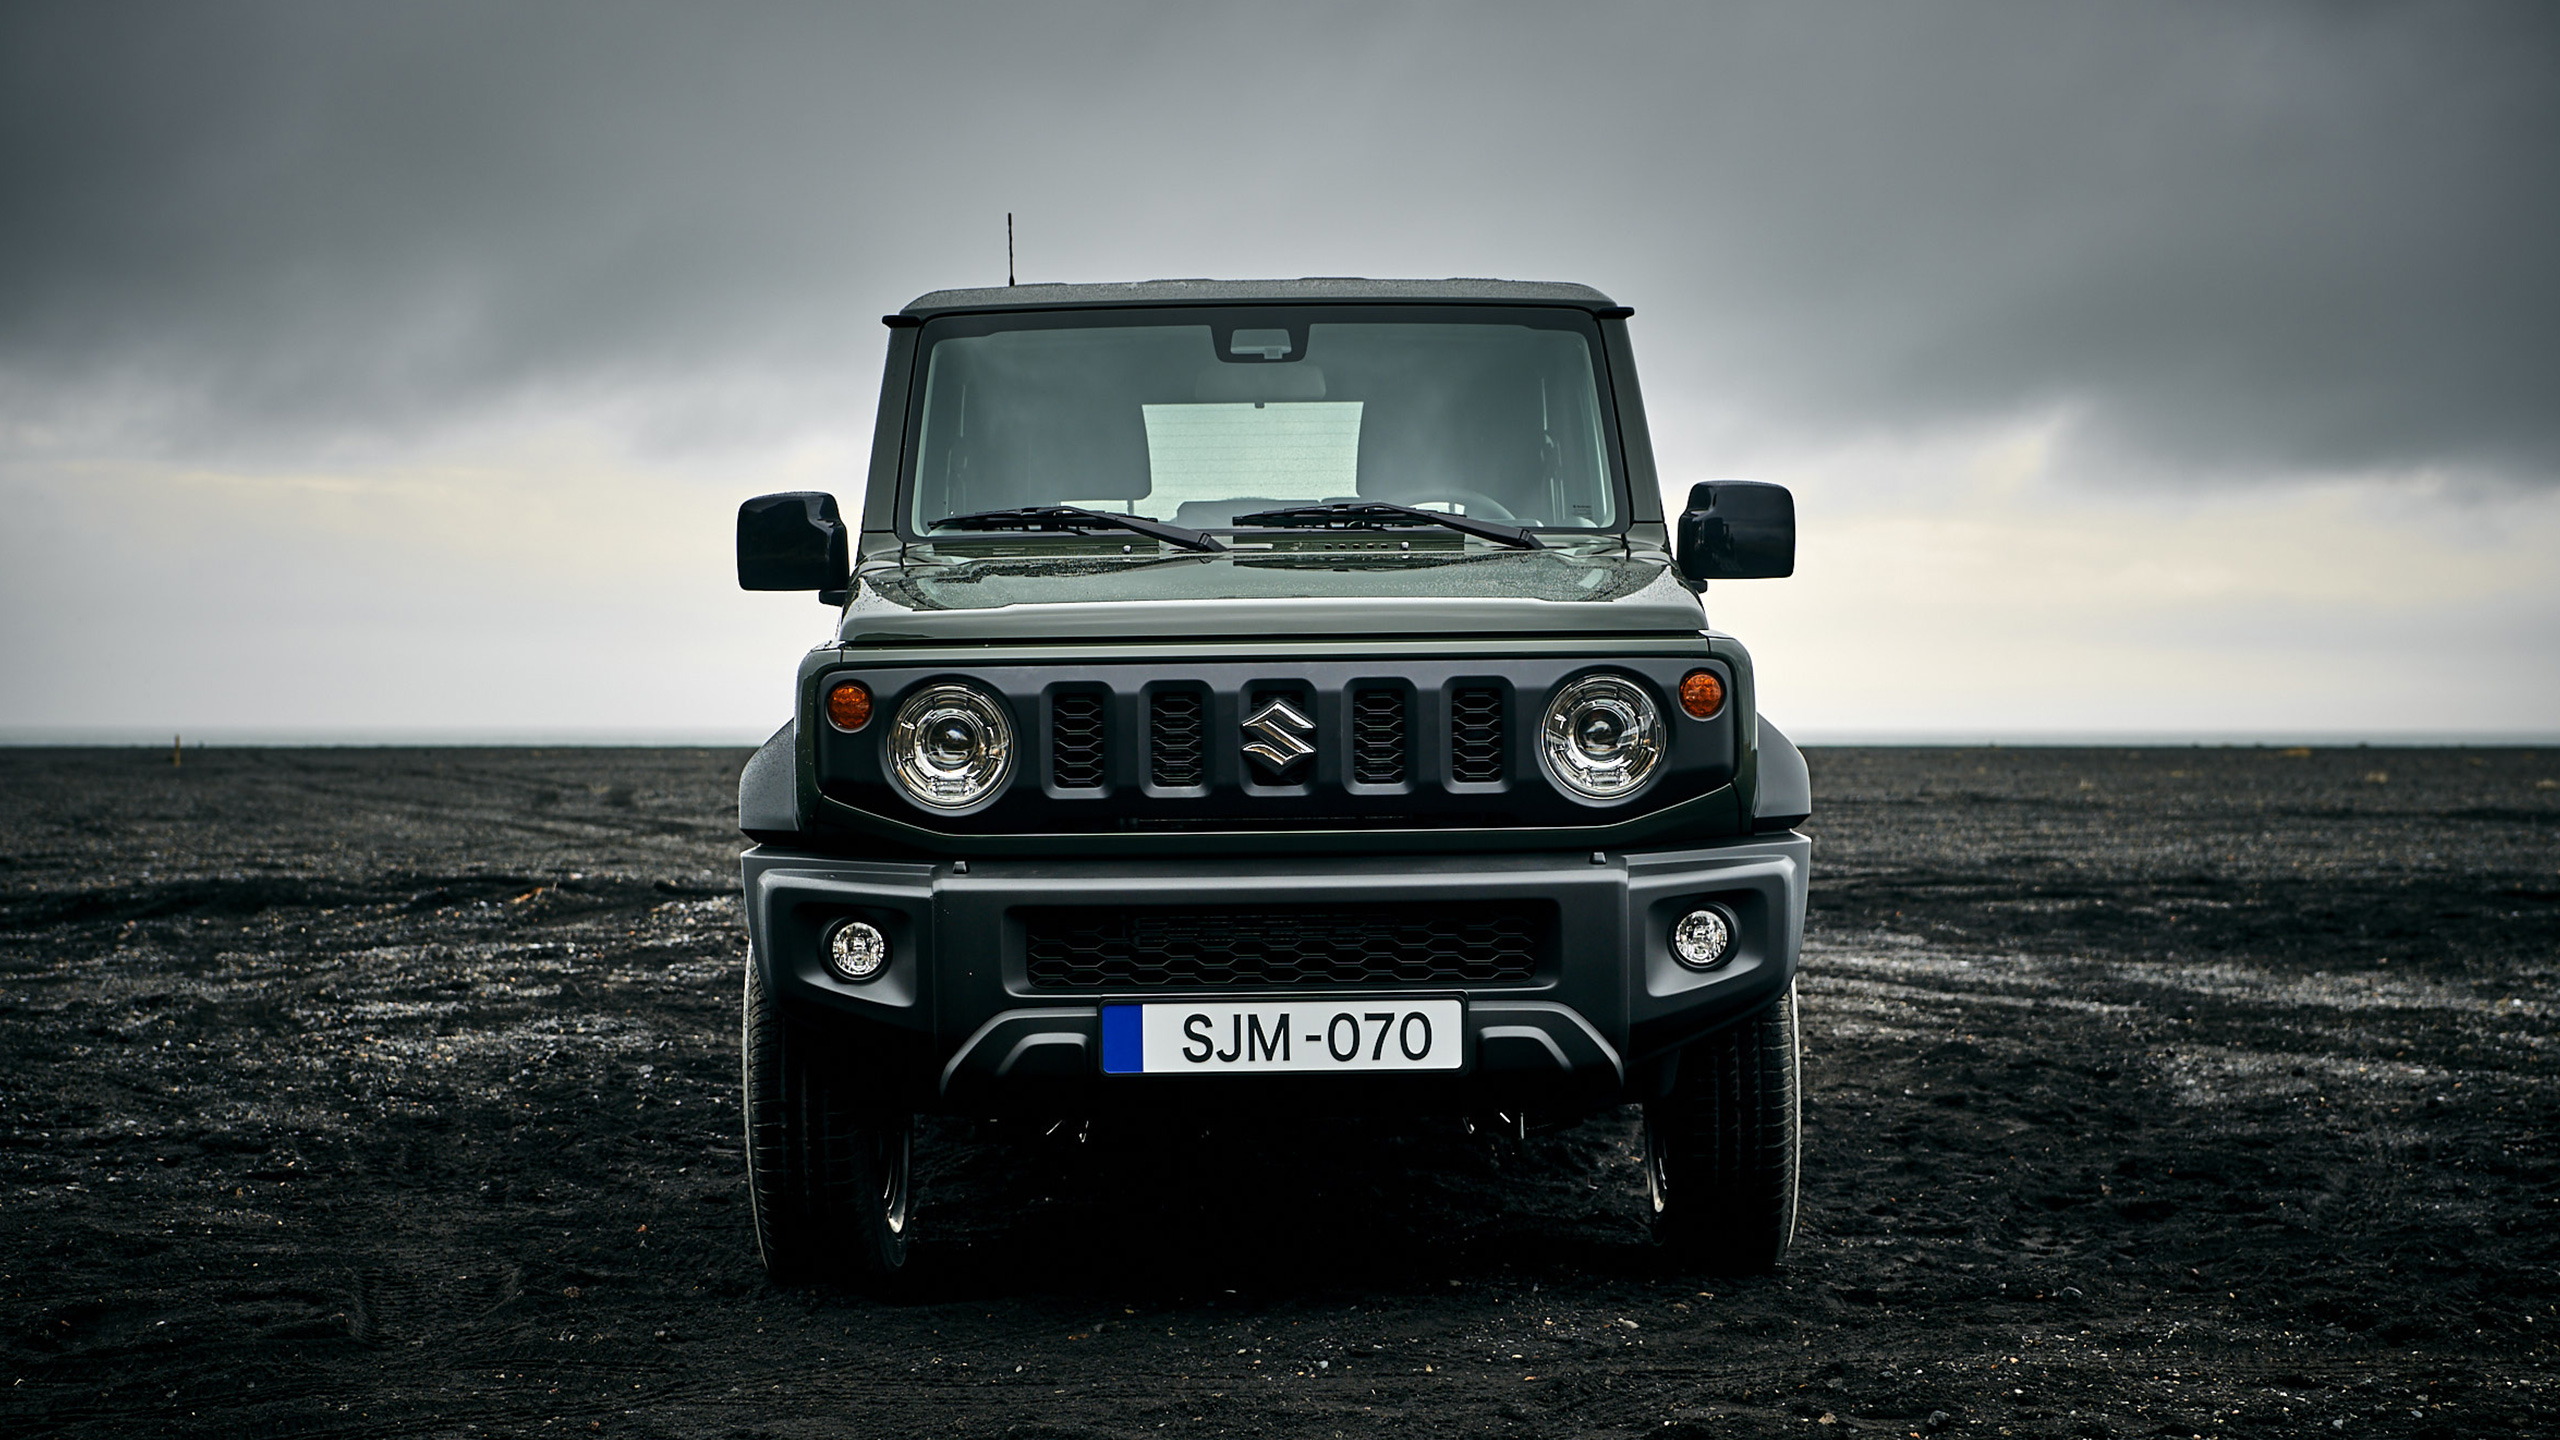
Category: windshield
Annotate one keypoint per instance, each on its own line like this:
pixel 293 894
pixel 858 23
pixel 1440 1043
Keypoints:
pixel 1197 417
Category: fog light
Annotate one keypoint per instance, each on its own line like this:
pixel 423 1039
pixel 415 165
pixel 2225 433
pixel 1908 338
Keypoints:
pixel 856 950
pixel 1701 939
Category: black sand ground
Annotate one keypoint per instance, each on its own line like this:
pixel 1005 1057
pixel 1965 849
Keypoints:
pixel 2185 1092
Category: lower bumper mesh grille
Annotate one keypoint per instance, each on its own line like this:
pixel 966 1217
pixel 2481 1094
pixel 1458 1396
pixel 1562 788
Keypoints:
pixel 1284 947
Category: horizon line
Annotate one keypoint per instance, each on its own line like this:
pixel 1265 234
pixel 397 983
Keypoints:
pixel 462 737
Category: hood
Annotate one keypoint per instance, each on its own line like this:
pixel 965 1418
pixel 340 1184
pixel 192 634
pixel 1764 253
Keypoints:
pixel 944 594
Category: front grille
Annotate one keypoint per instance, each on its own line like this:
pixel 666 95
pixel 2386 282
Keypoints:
pixel 1075 741
pixel 1377 737
pixel 1475 735
pixel 1177 740
pixel 1286 947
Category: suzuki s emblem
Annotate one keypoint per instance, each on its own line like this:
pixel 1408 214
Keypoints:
pixel 1280 736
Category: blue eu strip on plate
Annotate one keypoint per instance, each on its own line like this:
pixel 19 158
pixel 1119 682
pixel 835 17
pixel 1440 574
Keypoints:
pixel 1123 1051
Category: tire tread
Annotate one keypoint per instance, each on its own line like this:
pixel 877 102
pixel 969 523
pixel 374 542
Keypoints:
pixel 813 1182
pixel 1731 1137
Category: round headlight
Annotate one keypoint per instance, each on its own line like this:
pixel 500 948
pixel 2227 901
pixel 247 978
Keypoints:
pixel 951 747
pixel 1602 737
pixel 856 949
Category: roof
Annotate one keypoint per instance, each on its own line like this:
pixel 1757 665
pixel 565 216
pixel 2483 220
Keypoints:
pixel 1338 288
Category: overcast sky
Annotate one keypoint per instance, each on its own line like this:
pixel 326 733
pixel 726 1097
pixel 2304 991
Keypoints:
pixel 2138 368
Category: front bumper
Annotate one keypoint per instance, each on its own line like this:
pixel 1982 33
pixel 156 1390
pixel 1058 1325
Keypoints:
pixel 954 1022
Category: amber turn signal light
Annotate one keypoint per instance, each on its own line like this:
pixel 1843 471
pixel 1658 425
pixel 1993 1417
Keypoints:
pixel 849 705
pixel 1702 695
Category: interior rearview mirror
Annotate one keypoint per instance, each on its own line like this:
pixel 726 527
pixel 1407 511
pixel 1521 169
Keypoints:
pixel 794 541
pixel 1738 530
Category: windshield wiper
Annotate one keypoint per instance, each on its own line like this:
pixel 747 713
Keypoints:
pixel 1380 515
pixel 1077 519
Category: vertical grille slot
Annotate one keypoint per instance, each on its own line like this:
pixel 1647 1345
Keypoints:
pixel 1177 740
pixel 1377 737
pixel 1075 741
pixel 1475 735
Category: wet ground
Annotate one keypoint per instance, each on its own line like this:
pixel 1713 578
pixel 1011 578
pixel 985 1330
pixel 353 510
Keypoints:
pixel 2171 1092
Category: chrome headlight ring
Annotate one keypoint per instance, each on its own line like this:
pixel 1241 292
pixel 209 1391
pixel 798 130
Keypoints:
pixel 1602 737
pixel 951 747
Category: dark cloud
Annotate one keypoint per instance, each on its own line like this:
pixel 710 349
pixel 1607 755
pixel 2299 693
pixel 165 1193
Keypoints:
pixel 2238 237
pixel 2268 238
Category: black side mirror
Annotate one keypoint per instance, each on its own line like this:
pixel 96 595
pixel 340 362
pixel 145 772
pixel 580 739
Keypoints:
pixel 1738 530
pixel 791 542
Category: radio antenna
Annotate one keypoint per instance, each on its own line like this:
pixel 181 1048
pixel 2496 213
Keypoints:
pixel 1008 249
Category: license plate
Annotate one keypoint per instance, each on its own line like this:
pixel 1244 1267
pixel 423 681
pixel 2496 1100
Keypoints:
pixel 1274 1036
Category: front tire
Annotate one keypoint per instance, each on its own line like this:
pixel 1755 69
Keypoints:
pixel 830 1179
pixel 1723 1148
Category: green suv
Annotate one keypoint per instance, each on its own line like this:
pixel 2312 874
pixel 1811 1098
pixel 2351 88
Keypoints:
pixel 1254 696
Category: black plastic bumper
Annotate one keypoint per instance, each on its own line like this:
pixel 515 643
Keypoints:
pixel 954 1022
